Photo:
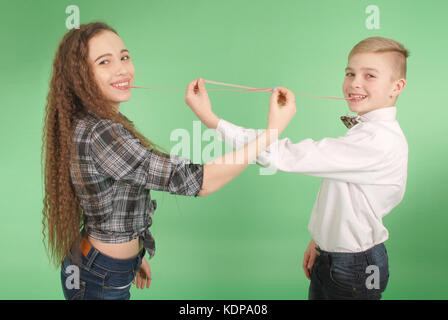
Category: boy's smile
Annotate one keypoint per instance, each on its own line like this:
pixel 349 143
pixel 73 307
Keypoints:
pixel 371 82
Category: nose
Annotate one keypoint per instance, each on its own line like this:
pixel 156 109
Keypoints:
pixel 121 69
pixel 356 83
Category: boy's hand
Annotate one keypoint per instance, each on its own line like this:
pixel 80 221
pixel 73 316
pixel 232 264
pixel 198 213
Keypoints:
pixel 197 99
pixel 308 258
pixel 282 108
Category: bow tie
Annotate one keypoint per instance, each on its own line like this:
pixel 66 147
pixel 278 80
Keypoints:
pixel 351 120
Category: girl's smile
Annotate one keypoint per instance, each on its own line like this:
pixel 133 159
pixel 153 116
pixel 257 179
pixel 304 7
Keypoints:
pixel 112 67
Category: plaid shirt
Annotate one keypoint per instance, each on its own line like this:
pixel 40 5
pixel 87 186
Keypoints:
pixel 114 178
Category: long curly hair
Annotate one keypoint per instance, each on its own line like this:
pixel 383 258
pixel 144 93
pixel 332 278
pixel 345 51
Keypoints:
pixel 73 91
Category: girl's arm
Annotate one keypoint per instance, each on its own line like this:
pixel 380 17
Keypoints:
pixel 222 170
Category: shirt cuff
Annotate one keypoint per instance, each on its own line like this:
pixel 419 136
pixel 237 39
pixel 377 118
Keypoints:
pixel 224 127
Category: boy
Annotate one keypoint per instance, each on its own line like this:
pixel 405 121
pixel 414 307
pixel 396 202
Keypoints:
pixel 364 175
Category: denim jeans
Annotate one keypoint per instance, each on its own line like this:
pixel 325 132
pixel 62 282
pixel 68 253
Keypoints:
pixel 100 276
pixel 361 275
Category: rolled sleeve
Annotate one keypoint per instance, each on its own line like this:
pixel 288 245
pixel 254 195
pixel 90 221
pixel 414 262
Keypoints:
pixel 186 177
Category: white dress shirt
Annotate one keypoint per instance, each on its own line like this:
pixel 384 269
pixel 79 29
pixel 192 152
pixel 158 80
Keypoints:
pixel 364 177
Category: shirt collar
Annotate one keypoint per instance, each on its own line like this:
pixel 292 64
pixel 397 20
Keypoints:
pixel 382 114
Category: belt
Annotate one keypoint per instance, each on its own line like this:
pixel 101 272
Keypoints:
pixel 85 246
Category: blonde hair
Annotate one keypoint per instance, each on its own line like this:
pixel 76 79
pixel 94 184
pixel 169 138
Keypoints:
pixel 380 44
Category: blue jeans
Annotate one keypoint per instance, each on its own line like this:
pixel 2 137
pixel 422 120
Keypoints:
pixel 361 275
pixel 99 277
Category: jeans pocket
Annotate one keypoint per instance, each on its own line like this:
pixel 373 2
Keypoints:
pixel 117 285
pixel 344 277
pixel 119 280
pixel 81 282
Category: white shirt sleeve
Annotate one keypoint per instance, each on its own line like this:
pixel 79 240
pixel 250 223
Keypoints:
pixel 356 157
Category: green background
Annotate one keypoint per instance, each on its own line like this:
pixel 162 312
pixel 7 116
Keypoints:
pixel 247 240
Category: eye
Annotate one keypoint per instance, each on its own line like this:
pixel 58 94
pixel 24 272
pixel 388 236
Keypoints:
pixel 127 57
pixel 103 62
pixel 370 76
pixel 349 74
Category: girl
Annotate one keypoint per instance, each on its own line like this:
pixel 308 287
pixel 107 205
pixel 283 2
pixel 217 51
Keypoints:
pixel 99 168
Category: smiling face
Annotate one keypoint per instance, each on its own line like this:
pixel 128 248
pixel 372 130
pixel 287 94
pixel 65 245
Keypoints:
pixel 112 68
pixel 371 82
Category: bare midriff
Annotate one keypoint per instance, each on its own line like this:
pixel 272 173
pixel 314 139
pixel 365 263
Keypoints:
pixel 124 250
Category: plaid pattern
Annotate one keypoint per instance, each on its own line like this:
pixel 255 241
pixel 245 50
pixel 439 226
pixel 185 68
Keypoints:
pixel 117 173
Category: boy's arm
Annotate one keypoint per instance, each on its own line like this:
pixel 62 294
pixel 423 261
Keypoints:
pixel 234 135
pixel 358 157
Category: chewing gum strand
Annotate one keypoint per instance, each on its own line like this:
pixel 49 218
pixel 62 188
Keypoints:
pixel 242 88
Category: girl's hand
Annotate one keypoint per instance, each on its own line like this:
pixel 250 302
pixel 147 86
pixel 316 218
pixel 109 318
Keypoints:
pixel 282 108
pixel 143 275
pixel 308 258
pixel 196 98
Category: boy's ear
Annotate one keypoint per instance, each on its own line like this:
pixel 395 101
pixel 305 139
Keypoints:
pixel 399 86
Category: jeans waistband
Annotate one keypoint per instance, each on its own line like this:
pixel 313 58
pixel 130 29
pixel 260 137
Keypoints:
pixel 112 264
pixel 354 257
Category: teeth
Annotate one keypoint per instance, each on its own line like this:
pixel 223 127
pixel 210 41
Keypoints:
pixel 123 84
pixel 357 96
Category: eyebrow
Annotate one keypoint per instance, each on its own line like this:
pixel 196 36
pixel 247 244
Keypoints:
pixel 109 54
pixel 371 69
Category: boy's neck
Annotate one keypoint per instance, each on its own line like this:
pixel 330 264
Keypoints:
pixel 365 112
